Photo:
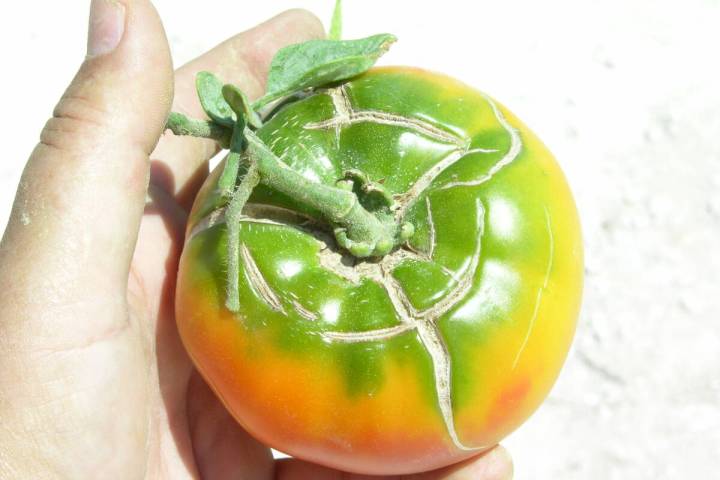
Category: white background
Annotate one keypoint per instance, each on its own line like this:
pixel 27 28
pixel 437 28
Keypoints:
pixel 627 94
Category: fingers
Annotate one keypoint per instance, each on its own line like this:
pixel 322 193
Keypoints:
pixel 243 60
pixel 82 193
pixel 495 464
pixel 221 448
pixel 68 351
pixel 492 465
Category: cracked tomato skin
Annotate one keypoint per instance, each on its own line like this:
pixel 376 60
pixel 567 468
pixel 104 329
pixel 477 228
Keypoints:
pixel 426 357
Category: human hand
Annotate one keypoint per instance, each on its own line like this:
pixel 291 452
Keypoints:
pixel 95 382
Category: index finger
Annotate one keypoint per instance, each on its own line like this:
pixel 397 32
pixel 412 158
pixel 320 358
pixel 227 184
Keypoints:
pixel 494 464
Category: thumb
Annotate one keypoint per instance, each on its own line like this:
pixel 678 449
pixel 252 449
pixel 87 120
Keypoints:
pixel 78 207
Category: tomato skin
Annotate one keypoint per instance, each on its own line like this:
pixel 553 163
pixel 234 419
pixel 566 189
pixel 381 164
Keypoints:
pixel 490 285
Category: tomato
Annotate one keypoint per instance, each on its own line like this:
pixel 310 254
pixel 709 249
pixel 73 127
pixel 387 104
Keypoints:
pixel 423 357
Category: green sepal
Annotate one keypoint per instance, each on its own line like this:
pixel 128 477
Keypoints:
pixel 229 176
pixel 209 89
pixel 320 62
pixel 239 103
pixel 335 32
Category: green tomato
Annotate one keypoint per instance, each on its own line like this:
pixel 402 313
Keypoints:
pixel 421 357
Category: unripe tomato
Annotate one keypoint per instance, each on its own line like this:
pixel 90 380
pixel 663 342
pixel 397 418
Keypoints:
pixel 420 358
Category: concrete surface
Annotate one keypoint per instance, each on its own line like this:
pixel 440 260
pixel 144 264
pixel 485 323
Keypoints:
pixel 627 94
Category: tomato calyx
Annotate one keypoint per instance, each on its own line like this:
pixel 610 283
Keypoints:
pixel 362 225
pixel 360 212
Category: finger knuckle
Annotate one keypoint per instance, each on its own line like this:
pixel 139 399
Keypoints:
pixel 76 121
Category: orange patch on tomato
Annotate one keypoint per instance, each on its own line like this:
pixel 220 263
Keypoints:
pixel 508 403
pixel 300 405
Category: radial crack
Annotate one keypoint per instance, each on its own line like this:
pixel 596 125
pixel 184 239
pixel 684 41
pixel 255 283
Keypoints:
pixel 258 283
pixel 431 227
pixel 343 111
pixel 435 345
pixel 341 102
pixel 424 322
pixel 464 284
pixel 302 310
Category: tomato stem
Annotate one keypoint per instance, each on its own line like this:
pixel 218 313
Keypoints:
pixel 180 124
pixel 232 220
pixel 335 31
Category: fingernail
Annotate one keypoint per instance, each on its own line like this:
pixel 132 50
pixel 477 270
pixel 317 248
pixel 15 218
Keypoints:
pixel 106 26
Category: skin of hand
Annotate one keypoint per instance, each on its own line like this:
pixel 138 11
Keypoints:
pixel 94 381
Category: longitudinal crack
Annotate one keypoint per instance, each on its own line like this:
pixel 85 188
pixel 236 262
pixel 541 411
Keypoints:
pixel 424 321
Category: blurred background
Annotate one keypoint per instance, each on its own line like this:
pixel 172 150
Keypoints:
pixel 626 93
